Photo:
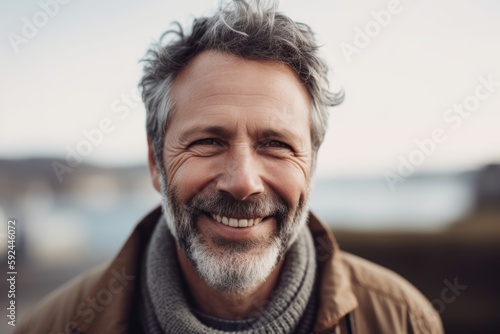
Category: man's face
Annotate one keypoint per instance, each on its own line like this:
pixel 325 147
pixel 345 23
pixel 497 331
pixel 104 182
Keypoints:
pixel 237 157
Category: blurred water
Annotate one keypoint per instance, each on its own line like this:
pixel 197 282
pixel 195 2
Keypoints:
pixel 420 203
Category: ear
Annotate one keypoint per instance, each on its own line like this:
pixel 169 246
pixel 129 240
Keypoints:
pixel 153 168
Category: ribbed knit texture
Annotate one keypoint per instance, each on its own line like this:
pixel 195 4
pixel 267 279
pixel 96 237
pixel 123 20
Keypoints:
pixel 164 307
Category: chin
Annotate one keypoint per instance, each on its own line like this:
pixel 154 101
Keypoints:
pixel 233 271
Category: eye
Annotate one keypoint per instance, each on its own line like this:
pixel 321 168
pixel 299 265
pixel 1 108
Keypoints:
pixel 205 141
pixel 278 144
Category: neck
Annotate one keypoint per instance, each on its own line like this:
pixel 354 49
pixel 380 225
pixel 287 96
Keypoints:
pixel 226 305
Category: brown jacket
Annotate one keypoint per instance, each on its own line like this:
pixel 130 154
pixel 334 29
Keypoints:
pixel 356 296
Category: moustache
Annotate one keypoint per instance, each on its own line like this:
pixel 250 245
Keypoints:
pixel 224 204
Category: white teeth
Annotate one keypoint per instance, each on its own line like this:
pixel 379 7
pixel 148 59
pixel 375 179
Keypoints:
pixel 233 222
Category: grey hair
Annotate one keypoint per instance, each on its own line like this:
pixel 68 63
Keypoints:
pixel 251 29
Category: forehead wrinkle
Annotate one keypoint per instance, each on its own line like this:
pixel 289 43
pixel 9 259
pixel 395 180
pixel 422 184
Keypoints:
pixel 236 96
pixel 197 79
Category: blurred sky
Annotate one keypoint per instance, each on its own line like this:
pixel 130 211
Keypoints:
pixel 67 76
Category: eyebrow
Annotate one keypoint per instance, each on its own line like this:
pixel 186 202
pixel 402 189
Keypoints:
pixel 271 133
pixel 214 130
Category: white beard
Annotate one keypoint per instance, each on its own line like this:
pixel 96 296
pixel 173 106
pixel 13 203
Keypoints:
pixel 233 270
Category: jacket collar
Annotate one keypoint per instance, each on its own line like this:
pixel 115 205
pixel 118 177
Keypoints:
pixel 336 296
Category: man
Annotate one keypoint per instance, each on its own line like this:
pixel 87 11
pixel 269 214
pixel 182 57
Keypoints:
pixel 236 112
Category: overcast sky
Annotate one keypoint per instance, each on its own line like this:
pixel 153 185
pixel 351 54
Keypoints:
pixel 401 74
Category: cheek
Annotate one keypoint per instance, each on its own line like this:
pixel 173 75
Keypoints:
pixel 288 180
pixel 190 177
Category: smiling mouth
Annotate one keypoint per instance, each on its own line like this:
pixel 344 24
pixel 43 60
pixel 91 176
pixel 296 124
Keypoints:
pixel 237 222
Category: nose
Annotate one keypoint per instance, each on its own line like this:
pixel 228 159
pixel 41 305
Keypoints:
pixel 241 178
